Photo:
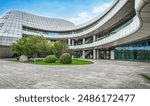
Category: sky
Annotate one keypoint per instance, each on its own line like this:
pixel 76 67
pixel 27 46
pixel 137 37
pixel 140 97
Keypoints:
pixel 76 11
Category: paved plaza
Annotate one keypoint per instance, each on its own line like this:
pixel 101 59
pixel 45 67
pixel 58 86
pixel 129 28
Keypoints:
pixel 103 74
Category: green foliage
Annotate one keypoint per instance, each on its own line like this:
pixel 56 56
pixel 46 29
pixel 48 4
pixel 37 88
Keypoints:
pixel 65 58
pixel 61 47
pixel 50 48
pixel 38 46
pixel 32 46
pixel 21 47
pixel 50 59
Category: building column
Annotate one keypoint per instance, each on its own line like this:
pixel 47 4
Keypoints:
pixel 112 55
pixel 72 42
pixel 94 54
pixel 83 40
pixel 83 54
pixel 97 54
pixel 94 38
pixel 69 42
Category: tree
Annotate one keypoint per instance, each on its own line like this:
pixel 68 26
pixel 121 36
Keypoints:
pixel 32 46
pixel 21 47
pixel 61 47
pixel 38 46
pixel 51 48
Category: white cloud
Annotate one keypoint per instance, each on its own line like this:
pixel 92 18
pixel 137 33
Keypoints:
pixel 85 16
pixel 81 18
pixel 100 9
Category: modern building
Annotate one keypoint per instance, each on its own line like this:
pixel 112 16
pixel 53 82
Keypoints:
pixel 121 32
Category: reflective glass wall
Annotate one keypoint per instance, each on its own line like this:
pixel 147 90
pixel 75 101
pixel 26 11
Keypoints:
pixel 134 52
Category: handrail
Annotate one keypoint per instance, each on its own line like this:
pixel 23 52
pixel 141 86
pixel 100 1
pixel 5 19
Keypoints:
pixel 126 31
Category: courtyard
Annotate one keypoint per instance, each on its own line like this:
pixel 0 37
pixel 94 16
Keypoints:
pixel 103 74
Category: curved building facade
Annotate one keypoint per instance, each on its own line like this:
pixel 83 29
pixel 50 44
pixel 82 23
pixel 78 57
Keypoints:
pixel 121 32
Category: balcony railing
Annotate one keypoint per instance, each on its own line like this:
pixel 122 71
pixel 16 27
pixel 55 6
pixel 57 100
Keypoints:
pixel 124 32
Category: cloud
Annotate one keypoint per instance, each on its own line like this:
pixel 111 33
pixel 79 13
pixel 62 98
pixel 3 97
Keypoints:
pixel 100 9
pixel 85 16
pixel 81 18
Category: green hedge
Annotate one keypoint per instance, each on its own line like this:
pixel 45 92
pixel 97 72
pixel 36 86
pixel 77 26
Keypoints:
pixel 50 59
pixel 65 58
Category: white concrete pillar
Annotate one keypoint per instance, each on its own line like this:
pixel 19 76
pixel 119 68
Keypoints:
pixel 69 42
pixel 83 54
pixel 94 38
pixel 94 54
pixel 83 40
pixel 112 55
pixel 72 41
pixel 97 54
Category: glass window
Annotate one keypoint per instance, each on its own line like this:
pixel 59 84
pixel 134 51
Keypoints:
pixel 136 52
pixel 1 25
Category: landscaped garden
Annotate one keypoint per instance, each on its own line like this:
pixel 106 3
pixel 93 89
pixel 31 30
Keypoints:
pixel 38 50
pixel 74 62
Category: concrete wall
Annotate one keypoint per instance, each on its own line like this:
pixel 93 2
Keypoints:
pixel 5 51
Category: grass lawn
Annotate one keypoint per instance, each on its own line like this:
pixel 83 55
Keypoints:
pixel 74 62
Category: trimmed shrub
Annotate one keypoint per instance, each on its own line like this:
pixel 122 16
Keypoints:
pixel 50 59
pixel 65 58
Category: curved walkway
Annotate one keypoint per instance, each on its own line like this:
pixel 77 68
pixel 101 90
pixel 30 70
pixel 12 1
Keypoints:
pixel 103 74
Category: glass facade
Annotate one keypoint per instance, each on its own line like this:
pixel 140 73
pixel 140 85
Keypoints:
pixel 77 54
pixel 134 52
pixel 40 31
pixel 104 54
